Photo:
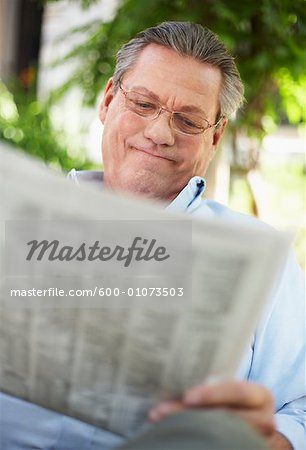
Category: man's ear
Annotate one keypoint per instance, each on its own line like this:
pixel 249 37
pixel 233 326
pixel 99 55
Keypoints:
pixel 107 98
pixel 219 132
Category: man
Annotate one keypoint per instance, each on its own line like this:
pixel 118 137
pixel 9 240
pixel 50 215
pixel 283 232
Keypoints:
pixel 164 113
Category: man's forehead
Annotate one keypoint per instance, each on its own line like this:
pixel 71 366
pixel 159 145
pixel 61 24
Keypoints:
pixel 162 73
pixel 154 55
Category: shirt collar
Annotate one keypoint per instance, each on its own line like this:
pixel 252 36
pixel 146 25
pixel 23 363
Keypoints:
pixel 190 197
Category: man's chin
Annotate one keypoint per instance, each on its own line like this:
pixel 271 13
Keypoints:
pixel 139 180
pixel 145 186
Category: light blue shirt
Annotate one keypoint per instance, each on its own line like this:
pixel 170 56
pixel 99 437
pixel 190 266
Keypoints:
pixel 276 357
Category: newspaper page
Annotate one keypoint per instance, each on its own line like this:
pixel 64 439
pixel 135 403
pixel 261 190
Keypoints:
pixel 101 339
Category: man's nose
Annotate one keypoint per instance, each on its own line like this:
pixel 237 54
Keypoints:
pixel 159 130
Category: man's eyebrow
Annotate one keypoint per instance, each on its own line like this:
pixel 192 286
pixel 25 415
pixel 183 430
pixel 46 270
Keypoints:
pixel 192 109
pixel 186 108
pixel 142 89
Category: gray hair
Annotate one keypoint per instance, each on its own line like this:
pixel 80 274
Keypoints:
pixel 188 39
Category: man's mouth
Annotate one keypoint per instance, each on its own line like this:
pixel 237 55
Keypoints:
pixel 151 153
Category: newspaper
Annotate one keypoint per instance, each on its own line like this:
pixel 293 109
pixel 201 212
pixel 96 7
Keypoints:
pixel 108 363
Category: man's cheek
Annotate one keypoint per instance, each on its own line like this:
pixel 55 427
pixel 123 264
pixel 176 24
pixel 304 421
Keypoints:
pixel 130 123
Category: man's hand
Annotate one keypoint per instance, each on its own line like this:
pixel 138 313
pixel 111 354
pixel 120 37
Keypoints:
pixel 251 401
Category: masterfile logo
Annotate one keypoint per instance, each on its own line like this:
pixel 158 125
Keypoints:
pixel 133 259
pixel 140 250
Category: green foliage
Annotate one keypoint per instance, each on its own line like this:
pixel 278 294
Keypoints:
pixel 293 95
pixel 25 122
pixel 84 3
pixel 268 38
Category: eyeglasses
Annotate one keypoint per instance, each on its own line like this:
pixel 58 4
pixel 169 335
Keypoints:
pixel 184 123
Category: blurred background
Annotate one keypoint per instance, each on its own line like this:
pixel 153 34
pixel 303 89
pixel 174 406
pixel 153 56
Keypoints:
pixel 56 56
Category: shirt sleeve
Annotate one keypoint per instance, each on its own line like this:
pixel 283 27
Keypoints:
pixel 290 421
pixel 28 426
pixel 279 353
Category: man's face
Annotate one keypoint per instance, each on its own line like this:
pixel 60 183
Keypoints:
pixel 145 156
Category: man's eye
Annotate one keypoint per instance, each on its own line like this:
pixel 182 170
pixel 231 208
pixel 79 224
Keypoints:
pixel 186 122
pixel 145 105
